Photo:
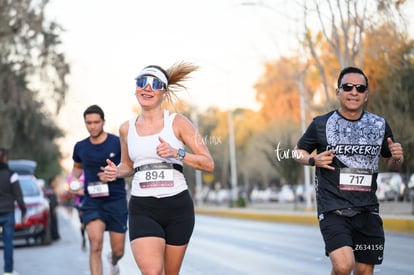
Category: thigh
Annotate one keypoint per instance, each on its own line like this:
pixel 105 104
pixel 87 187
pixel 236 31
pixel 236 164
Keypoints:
pixel 90 211
pixel 336 232
pixel 149 254
pixel 180 227
pixel 7 224
pixel 174 255
pixel 116 215
pixel 95 230
pixel 144 226
pixel 171 218
pixel 342 260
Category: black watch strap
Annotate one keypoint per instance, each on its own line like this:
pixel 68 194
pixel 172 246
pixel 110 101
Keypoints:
pixel 311 161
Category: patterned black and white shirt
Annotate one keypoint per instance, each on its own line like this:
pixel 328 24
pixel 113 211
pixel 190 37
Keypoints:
pixel 358 144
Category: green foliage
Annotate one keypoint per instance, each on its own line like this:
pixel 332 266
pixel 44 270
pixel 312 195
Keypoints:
pixel 241 202
pixel 32 73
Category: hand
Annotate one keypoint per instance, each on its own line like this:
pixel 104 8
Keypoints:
pixel 79 192
pixel 324 159
pixel 396 150
pixel 164 149
pixel 109 172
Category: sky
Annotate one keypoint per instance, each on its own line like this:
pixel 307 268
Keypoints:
pixel 108 42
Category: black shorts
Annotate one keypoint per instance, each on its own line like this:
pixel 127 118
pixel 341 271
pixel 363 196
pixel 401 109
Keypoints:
pixel 170 218
pixel 363 232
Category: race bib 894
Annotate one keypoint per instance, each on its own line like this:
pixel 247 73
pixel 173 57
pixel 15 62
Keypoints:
pixel 159 175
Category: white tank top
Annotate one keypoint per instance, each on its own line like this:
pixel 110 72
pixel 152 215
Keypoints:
pixel 142 151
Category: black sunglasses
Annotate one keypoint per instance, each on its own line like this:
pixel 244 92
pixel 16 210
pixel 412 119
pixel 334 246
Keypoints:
pixel 347 87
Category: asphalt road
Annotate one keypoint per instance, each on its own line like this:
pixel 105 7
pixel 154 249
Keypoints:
pixel 219 246
pixel 63 257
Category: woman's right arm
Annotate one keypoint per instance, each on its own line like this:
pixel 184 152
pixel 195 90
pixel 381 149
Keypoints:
pixel 125 167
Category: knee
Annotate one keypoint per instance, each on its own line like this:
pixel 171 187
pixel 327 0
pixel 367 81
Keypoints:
pixel 117 254
pixel 152 271
pixel 95 245
pixel 343 268
pixel 342 260
pixel 95 249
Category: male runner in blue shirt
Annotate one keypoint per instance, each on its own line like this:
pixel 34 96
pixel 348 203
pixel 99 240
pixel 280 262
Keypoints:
pixel 105 205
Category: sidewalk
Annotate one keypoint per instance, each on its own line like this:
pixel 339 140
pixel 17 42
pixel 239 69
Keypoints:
pixel 396 215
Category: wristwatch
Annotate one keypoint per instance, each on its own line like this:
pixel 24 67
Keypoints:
pixel 180 154
pixel 311 161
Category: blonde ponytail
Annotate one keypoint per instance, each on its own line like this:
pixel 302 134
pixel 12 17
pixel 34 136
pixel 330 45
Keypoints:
pixel 177 74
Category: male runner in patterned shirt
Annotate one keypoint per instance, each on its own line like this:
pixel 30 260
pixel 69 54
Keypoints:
pixel 349 142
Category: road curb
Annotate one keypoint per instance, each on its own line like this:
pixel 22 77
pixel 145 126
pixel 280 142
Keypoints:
pixel 399 224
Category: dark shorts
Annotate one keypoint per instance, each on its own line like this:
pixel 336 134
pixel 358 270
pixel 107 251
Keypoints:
pixel 170 218
pixel 363 232
pixel 113 213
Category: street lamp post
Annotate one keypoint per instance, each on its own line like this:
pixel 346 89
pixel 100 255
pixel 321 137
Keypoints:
pixel 301 89
pixel 306 169
pixel 232 144
pixel 198 175
pixel 233 168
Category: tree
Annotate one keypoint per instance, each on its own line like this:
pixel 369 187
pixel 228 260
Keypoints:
pixel 282 137
pixel 394 95
pixel 343 28
pixel 277 91
pixel 369 34
pixel 32 72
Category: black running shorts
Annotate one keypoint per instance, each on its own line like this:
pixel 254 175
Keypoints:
pixel 170 218
pixel 363 232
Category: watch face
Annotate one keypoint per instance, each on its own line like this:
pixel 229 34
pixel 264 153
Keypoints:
pixel 181 153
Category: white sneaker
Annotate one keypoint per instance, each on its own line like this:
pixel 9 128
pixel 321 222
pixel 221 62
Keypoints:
pixel 113 269
pixel 11 273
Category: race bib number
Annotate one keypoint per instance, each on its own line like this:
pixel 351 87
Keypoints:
pixel 98 189
pixel 353 179
pixel 156 175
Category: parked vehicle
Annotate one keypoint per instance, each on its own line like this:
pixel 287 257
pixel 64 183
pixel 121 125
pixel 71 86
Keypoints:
pixel 37 223
pixel 410 184
pixel 300 192
pixel 220 196
pixel 286 194
pixel 263 195
pixel 410 187
pixel 390 186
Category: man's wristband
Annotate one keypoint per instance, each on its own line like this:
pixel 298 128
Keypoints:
pixel 311 161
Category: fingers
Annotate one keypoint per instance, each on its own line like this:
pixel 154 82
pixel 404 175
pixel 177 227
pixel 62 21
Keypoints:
pixel 324 159
pixel 161 139
pixel 390 142
pixel 395 149
pixel 109 171
pixel 164 149
pixel 110 163
pixel 328 154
